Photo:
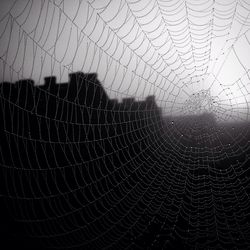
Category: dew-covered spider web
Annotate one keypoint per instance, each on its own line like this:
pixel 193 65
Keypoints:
pixel 125 123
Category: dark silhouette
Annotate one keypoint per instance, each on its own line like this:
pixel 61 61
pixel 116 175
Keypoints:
pixel 60 142
pixel 56 125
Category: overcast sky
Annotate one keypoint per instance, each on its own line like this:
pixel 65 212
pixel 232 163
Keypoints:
pixel 192 55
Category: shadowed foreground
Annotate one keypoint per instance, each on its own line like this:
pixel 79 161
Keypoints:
pixel 80 170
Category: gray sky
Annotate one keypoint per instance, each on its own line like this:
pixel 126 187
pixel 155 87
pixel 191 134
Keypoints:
pixel 192 55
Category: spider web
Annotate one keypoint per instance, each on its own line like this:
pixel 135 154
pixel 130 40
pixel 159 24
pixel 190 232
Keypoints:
pixel 149 147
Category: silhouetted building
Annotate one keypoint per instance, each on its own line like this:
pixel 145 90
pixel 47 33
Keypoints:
pixel 72 136
pixel 49 83
pixel 82 100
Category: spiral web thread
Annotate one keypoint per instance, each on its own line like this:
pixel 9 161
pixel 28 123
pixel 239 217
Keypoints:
pixel 100 175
